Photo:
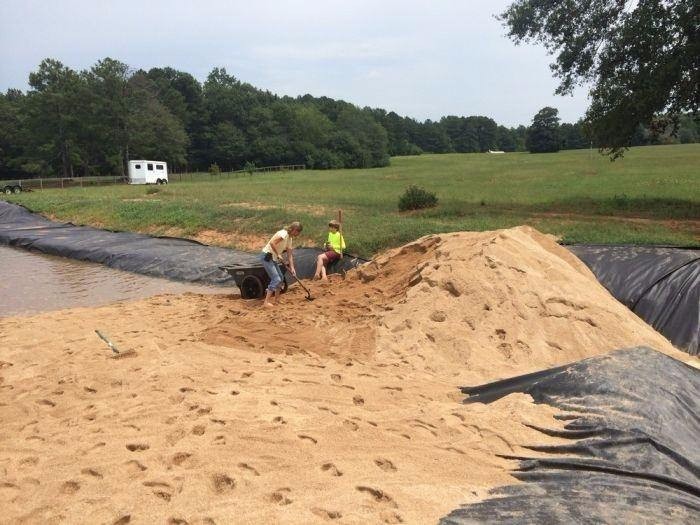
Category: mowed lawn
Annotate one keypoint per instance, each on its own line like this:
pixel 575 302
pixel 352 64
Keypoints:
pixel 651 196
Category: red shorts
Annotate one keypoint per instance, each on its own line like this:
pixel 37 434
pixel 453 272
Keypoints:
pixel 332 256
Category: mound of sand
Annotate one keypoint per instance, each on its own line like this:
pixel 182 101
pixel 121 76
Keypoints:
pixel 473 306
pixel 344 409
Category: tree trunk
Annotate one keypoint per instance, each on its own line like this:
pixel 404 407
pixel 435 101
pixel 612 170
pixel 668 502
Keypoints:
pixel 64 158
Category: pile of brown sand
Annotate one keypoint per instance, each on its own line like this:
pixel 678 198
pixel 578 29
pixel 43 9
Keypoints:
pixel 472 307
pixel 341 410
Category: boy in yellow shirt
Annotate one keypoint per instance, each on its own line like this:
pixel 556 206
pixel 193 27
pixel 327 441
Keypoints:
pixel 335 245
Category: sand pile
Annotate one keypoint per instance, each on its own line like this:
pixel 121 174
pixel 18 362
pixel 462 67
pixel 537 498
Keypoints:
pixel 341 410
pixel 494 304
pixel 472 306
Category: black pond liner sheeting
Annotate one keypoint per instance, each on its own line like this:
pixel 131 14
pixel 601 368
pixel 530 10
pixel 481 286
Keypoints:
pixel 633 423
pixel 660 284
pixel 172 258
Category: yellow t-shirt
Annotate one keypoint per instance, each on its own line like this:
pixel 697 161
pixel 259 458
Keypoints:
pixel 336 241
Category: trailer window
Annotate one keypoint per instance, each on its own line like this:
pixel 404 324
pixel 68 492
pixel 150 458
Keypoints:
pixel 159 166
pixel 150 167
pixel 137 166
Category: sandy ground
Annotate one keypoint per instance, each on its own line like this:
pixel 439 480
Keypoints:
pixel 345 409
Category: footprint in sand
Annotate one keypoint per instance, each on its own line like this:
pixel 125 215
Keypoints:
pixel 247 467
pixel 331 469
pixel 198 430
pixel 336 377
pixel 135 467
pixel 175 436
pixel 326 514
pixel 92 472
pixel 350 425
pixel 279 497
pixel 162 489
pixel 385 465
pixel 358 400
pixel 137 447
pixel 377 495
pixel 388 516
pixel 222 484
pixel 179 458
pixel 70 487
pixel 30 461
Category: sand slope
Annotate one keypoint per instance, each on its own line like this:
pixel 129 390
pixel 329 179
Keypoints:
pixel 342 410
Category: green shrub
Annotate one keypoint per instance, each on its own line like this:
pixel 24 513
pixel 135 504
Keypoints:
pixel 214 169
pixel 249 167
pixel 415 198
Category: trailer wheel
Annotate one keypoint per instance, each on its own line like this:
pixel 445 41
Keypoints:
pixel 164 181
pixel 17 189
pixel 251 287
pixel 7 190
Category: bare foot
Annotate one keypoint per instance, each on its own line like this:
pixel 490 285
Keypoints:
pixel 268 305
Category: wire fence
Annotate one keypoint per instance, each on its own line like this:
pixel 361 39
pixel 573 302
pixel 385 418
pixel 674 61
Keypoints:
pixel 204 175
pixel 17 185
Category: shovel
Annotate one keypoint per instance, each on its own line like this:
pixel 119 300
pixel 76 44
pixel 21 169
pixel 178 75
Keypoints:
pixel 308 293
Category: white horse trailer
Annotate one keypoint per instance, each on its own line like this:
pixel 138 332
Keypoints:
pixel 148 172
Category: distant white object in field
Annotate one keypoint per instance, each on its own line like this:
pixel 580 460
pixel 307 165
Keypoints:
pixel 499 152
pixel 148 172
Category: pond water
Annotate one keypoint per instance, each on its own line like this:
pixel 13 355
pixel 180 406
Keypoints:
pixel 32 282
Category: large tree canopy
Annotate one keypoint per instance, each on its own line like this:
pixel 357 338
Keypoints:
pixel 640 56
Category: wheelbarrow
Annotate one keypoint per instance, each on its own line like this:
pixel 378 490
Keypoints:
pixel 252 280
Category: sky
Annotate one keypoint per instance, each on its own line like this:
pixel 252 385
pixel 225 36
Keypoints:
pixel 422 59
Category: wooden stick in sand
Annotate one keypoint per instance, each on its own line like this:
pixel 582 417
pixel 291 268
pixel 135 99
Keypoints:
pixel 111 345
pixel 340 229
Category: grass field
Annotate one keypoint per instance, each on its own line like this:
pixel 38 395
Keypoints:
pixel 652 196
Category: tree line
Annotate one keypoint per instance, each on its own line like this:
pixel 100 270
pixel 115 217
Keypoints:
pixel 91 122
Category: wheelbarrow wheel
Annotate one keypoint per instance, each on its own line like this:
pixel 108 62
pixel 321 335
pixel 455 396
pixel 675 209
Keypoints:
pixel 251 287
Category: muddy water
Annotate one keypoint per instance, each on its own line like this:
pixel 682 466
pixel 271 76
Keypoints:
pixel 32 282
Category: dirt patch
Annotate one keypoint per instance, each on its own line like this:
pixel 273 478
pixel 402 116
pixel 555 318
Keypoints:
pixel 244 241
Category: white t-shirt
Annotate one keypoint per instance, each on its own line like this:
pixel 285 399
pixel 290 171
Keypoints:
pixel 281 246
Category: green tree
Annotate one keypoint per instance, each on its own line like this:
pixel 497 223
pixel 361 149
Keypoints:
pixel 54 116
pixel 108 82
pixel 572 136
pixel 543 135
pixel 154 132
pixel 642 58
pixel 12 133
pixel 506 139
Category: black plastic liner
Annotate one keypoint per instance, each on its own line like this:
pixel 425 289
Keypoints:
pixel 633 424
pixel 305 262
pixel 660 284
pixel 172 258
pixel 178 259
